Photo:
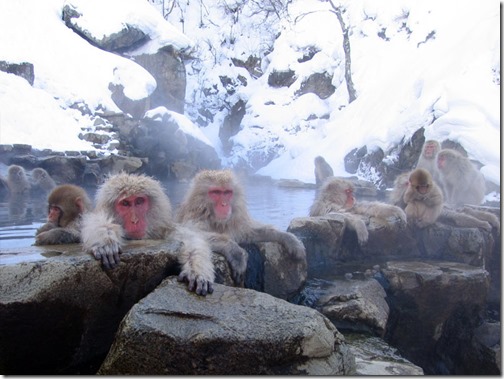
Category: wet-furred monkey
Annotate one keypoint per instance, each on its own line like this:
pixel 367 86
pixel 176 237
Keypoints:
pixel 133 207
pixel 322 170
pixel 337 196
pixel 427 159
pixel 17 180
pixel 215 204
pixel 66 205
pixel 41 180
pixel 423 198
pixel 462 182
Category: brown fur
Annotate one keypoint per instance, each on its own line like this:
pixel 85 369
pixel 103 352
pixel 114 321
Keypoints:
pixel 322 170
pixel 396 197
pixel 422 209
pixel 462 182
pixel 17 180
pixel 42 180
pixel 332 198
pixel 197 211
pixel 102 231
pixel 73 201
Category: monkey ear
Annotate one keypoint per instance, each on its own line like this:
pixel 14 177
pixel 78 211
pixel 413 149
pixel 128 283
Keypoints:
pixel 80 204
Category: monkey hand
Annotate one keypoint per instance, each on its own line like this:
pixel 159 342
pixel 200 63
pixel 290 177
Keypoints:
pixel 108 253
pixel 237 260
pixel 196 283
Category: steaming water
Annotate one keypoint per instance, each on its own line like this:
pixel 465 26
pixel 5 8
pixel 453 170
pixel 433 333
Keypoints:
pixel 267 203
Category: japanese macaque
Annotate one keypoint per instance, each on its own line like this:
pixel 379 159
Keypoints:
pixel 134 207
pixel 66 205
pixel 427 159
pixel 337 196
pixel 462 182
pixel 396 197
pixel 322 170
pixel 41 180
pixel 215 204
pixel 17 180
pixel 423 198
pixel 463 217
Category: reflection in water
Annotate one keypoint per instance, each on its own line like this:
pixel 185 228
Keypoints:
pixel 21 216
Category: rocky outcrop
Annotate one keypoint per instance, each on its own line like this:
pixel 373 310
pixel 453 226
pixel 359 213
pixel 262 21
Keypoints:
pixel 232 332
pixel 23 69
pixel 436 308
pixel 437 283
pixel 59 305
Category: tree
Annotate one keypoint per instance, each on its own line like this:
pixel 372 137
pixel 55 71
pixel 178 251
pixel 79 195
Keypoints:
pixel 339 10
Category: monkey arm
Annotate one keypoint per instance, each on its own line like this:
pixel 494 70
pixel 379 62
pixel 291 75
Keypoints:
pixel 57 236
pixel 102 238
pixel 235 255
pixel 463 220
pixel 355 223
pixel 266 233
pixel 47 226
pixel 195 259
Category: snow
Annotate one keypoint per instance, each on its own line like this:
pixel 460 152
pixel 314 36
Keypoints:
pixel 450 76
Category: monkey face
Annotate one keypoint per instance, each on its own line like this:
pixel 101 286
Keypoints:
pixel 350 199
pixel 422 189
pixel 54 214
pixel 221 201
pixel 132 211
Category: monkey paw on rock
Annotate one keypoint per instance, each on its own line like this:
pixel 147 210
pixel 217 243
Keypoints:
pixel 108 254
pixel 196 283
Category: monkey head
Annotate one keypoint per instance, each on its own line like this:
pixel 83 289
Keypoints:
pixel 431 148
pixel 138 203
pixel 444 159
pixel 219 188
pixel 65 203
pixel 421 181
pixel 339 191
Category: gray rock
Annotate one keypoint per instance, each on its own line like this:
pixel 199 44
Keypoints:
pixel 231 332
pixel 436 307
pixel 357 305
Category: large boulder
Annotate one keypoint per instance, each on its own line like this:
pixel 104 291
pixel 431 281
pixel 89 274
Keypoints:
pixel 232 332
pixel 59 305
pixel 435 306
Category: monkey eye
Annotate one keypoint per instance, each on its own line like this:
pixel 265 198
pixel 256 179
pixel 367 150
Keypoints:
pixel 139 200
pixel 228 192
pixel 125 203
pixel 216 192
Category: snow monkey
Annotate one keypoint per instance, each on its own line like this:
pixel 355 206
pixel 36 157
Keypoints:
pixel 41 180
pixel 396 197
pixel 16 180
pixel 135 207
pixel 462 182
pixel 423 198
pixel 337 196
pixel 427 159
pixel 464 217
pixel 215 204
pixel 66 205
pixel 322 170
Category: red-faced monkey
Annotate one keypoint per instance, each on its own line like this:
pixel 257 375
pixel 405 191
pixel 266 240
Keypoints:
pixel 337 196
pixel 135 207
pixel 215 204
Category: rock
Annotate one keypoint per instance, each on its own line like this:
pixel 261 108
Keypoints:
pixel 318 83
pixel 231 332
pixel 435 305
pixel 78 305
pixel 168 69
pixel 23 69
pixel 373 356
pixel 125 38
pixel 328 241
pixel 356 305
pixel 278 79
